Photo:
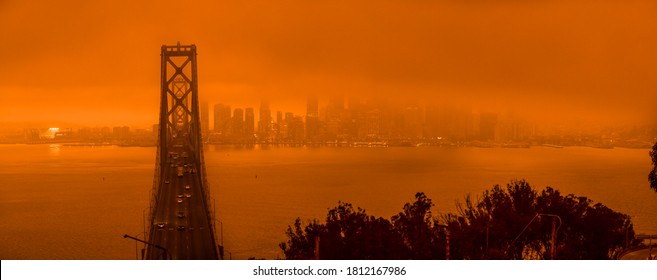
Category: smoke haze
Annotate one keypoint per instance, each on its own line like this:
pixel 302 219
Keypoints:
pixel 97 62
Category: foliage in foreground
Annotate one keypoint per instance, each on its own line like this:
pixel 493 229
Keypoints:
pixel 489 228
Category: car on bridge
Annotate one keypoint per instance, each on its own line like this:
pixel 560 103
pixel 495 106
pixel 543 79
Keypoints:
pixel 181 215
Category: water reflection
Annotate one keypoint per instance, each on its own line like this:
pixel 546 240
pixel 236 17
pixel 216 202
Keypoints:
pixel 55 149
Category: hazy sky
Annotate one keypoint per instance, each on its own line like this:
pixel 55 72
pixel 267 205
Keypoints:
pixel 98 61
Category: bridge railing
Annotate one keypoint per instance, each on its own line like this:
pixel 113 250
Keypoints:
pixel 207 197
pixel 153 194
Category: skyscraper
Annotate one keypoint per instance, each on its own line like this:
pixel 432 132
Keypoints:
pixel 249 122
pixel 221 119
pixel 312 118
pixel 237 127
pixel 279 125
pixel 333 112
pixel 264 124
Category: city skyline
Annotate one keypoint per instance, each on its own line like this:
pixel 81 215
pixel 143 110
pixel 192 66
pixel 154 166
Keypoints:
pixel 258 116
pixel 352 121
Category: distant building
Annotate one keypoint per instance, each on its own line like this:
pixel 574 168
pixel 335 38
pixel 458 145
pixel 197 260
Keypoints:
pixel 295 129
pixel 312 119
pixel 264 123
pixel 222 119
pixel 334 109
pixel 237 127
pixel 278 126
pixel 487 126
pixel 249 122
pixel 413 124
pixel 32 134
pixel 106 132
pixel 369 123
pixel 121 132
pixel 279 117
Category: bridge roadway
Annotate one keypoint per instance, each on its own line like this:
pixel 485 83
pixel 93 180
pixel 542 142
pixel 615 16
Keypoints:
pixel 180 221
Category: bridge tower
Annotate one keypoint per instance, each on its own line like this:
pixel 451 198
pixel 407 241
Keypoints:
pixel 181 223
pixel 179 113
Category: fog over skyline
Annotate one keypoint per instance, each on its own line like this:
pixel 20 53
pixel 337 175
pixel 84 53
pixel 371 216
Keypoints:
pixel 97 62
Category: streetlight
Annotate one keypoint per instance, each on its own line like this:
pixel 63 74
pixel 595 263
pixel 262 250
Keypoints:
pixel 165 251
pixel 137 248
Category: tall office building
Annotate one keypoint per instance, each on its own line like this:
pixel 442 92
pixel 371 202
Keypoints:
pixel 295 129
pixel 237 127
pixel 279 117
pixel 249 122
pixel 222 119
pixel 334 110
pixel 312 107
pixel 279 125
pixel 312 119
pixel 264 123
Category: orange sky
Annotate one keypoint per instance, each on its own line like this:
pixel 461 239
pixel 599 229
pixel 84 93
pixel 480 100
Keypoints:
pixel 97 62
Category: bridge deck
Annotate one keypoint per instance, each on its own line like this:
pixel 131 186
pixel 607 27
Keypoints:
pixel 180 221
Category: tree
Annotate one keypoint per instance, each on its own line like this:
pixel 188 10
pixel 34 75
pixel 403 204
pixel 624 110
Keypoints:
pixel 512 222
pixel 516 223
pixel 652 177
pixel 347 234
pixel 350 233
pixel 415 224
pixel 301 242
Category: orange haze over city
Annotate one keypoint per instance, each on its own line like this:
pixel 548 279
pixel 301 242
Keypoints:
pixel 98 62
